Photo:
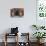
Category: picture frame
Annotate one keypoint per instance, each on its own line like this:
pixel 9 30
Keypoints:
pixel 17 12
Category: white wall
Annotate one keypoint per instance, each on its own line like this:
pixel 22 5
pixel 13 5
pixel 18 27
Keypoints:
pixel 24 22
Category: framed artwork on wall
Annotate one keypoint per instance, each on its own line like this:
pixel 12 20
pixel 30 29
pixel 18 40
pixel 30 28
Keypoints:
pixel 17 12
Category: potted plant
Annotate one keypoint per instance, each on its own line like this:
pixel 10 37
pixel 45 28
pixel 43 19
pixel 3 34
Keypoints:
pixel 39 35
pixel 35 26
pixel 38 27
pixel 42 27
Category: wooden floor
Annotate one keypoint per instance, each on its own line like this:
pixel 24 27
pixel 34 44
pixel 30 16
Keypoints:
pixel 13 44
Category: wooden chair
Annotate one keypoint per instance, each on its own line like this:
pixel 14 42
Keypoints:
pixel 27 37
pixel 8 34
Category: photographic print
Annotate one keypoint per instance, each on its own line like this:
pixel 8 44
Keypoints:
pixel 17 12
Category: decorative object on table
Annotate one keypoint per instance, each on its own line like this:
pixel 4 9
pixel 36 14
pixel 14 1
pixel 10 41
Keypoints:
pixel 17 12
pixel 14 30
